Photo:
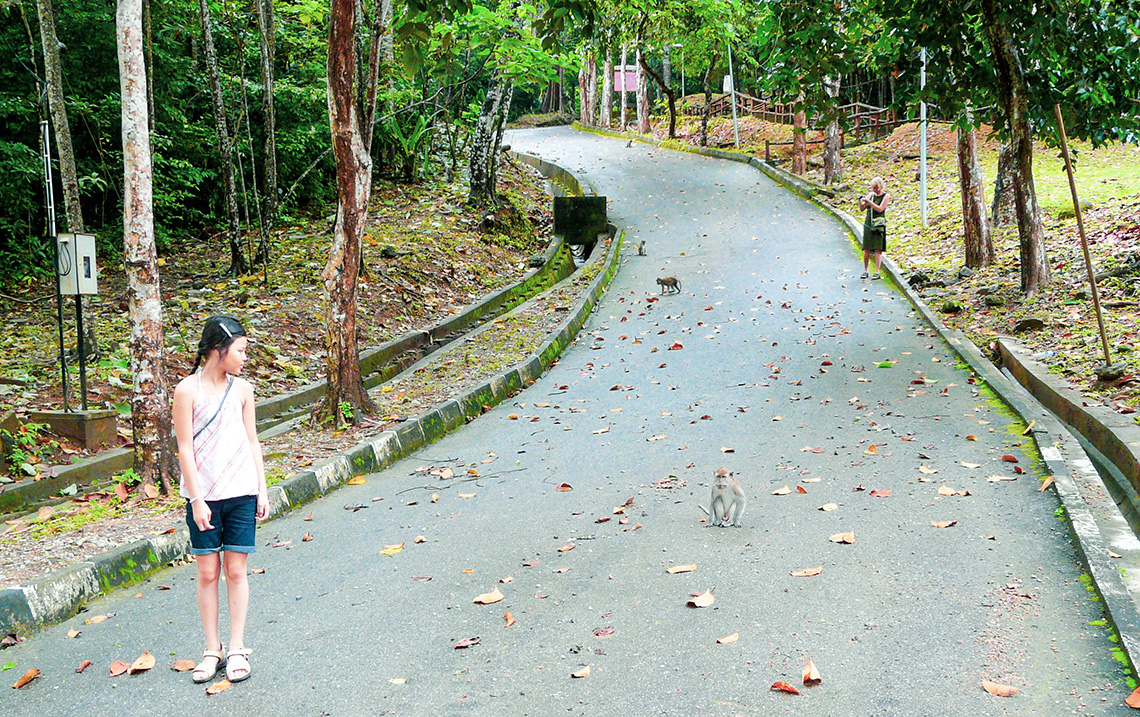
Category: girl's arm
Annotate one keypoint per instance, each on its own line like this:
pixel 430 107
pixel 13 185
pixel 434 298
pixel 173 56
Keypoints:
pixel 183 415
pixel 883 205
pixel 249 417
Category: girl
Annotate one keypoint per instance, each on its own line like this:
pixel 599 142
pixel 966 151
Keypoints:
pixel 875 224
pixel 223 482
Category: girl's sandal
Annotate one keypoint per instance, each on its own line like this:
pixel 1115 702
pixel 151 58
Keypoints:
pixel 207 669
pixel 238 663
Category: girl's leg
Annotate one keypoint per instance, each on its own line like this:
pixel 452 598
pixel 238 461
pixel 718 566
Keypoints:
pixel 878 260
pixel 209 568
pixel 237 591
pixel 866 259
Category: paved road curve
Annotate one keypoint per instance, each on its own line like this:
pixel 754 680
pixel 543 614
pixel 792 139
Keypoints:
pixel 766 363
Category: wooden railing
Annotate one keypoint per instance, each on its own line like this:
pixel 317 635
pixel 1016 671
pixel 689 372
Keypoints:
pixel 862 119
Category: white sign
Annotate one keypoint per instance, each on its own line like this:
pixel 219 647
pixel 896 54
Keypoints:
pixel 727 84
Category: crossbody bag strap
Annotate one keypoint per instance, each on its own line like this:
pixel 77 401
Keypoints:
pixel 220 404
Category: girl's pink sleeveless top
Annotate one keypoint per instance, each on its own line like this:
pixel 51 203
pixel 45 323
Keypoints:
pixel 221 451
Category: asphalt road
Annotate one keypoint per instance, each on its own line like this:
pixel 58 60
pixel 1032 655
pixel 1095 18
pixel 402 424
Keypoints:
pixel 767 363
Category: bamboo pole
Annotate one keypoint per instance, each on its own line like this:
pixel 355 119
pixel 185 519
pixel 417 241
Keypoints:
pixel 1081 230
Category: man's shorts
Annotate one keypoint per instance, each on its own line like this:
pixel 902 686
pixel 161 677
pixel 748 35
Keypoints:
pixel 234 521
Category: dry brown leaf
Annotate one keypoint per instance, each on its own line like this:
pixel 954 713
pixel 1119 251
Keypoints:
pixel 466 495
pixel 847 538
pixel 723 449
pixel 219 687
pixel 676 569
pixel 807 572
pixel 603 632
pixel 182 665
pixel 73 634
pixel 306 537
pixel 467 642
pixel 811 480
pixel 996 478
pixel 998 689
pixel 928 471
pixel 946 490
pixel 1045 484
pixel 600 431
pixel 703 600
pixel 96 619
pixel 468 571
pixel 811 674
pixel 45 512
pixel 392 549
pixel 583 672
pixel 1133 700
pixel 27 677
pixel 509 618
pixel 655 438
pixel 563 487
pixel 1009 459
pixel 118 667
pixel 258 571
pixel 728 639
pixel 508 579
pixel 964 464
pixel 144 662
pixel 1029 427
pixel 879 493
pixel 567 548
pixel 943 523
pixel 872 450
pixel 435 497
pixel 83 666
pixel 971 437
pixel 488 598
pixel 122 492
pixel 828 507
pixel 419 539
pixel 783 687
pixel 782 491
pixel 513 416
pixel 801 489
pixel 150 490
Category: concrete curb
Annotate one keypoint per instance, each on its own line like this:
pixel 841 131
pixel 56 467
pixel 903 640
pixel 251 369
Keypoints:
pixel 56 597
pixel 1076 481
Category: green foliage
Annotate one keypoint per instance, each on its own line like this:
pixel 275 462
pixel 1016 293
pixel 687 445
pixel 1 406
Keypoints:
pixel 128 478
pixel 26 448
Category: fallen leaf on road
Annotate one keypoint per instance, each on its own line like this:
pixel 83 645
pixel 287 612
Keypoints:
pixel 509 618
pixel 466 495
pixel 807 572
pixel 45 512
pixel 601 431
pixel 27 677
pixel 971 465
pixel 783 687
pixel 1009 459
pixel 73 633
pixel 703 600
pixel 847 538
pixel 467 642
pixel 118 667
pixel 419 539
pixel 258 571
pixel 144 662
pixel 567 548
pixel 219 687
pixel 308 518
pixel 306 537
pixel 1029 427
pixel 508 579
pixel 811 674
pixel 928 471
pixel 392 549
pixel 422 579
pixel 1133 700
pixel 1045 484
pixel 997 478
pixel 563 487
pixel 87 663
pixel 971 437
pixel 96 619
pixel 828 507
pixel 999 690
pixel 727 450
pixel 183 666
pixel 603 632
pixel 872 450
pixel 532 563
pixel 801 489
pixel 488 598
pixel 943 523
pixel 356 480
pixel 584 672
pixel 728 639
pixel 655 438
pixel 946 490
pixel 435 497
pixel 676 569
pixel 811 480
pixel 782 491
pixel 878 493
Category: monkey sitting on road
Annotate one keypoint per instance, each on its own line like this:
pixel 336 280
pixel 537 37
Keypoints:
pixel 726 506
pixel 641 249
pixel 669 284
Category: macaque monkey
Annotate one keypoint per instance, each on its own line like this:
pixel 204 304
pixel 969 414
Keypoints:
pixel 669 284
pixel 641 249
pixel 727 503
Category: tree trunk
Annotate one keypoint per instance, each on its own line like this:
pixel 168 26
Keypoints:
pixel 606 113
pixel 238 263
pixel 267 27
pixel 799 140
pixel 624 62
pixel 484 139
pixel 592 86
pixel 1003 205
pixel 642 95
pixel 68 176
pixel 669 96
pixel 583 103
pixel 667 64
pixel 150 407
pixel 354 187
pixel 976 227
pixel 708 103
pixel 149 65
pixel 832 158
pixel 496 149
pixel 1015 102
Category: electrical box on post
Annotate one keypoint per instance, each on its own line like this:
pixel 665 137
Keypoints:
pixel 77 271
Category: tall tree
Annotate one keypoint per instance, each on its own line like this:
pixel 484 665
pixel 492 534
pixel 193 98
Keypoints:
pixel 1002 208
pixel 487 137
pixel 606 113
pixel 642 94
pixel 238 263
pixel 68 175
pixel 150 401
pixel 344 386
pixel 267 29
pixel 975 223
pixel 832 159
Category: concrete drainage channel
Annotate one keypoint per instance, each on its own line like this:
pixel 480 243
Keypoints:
pixel 59 595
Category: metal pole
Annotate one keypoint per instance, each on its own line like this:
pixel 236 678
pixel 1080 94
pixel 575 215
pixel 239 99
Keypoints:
pixel 49 199
pixel 80 347
pixel 922 144
pixel 683 71
pixel 732 96
pixel 1081 230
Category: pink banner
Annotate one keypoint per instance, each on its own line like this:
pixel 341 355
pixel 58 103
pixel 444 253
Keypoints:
pixel 630 80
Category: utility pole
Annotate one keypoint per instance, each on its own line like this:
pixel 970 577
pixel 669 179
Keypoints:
pixel 922 143
pixel 732 94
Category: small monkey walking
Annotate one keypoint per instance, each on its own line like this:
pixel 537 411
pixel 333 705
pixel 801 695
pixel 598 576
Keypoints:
pixel 727 503
pixel 669 284
pixel 641 249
